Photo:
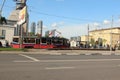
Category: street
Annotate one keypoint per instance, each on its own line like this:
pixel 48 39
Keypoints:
pixel 59 67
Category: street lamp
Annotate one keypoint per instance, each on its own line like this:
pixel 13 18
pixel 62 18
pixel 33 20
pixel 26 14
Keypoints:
pixel 111 34
pixel 88 38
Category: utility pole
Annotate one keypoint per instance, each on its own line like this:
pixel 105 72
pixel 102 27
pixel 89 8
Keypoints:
pixel 2 8
pixel 88 37
pixel 111 35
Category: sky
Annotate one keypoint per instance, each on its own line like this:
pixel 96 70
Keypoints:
pixel 71 17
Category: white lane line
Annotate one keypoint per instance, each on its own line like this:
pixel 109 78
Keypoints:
pixel 32 58
pixel 87 60
pixel 23 61
pixel 54 68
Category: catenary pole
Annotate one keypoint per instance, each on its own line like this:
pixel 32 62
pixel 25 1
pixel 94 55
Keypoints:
pixel 88 38
pixel 111 35
pixel 2 8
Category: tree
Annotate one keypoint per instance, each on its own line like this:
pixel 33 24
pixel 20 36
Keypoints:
pixel 104 41
pixel 31 34
pixel 3 20
pixel 92 41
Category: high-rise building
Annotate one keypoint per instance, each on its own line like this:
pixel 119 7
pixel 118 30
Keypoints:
pixel 40 27
pixel 33 27
pixel 47 33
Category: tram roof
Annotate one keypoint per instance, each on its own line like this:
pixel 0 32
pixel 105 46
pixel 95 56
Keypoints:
pixel 39 37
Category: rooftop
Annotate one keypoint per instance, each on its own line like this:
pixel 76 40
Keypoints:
pixel 105 29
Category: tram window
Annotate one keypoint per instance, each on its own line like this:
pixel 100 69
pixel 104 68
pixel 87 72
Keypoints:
pixel 57 41
pixel 37 41
pixel 43 40
pixel 15 39
pixel 48 41
pixel 29 40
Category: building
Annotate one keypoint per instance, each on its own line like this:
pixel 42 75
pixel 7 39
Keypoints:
pixel 6 32
pixel 39 27
pixel 103 37
pixel 11 29
pixel 15 16
pixel 47 33
pixel 33 28
pixel 109 36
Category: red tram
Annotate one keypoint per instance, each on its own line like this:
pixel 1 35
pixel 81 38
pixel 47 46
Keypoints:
pixel 40 43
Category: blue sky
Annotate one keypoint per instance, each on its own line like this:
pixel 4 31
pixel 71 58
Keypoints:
pixel 71 17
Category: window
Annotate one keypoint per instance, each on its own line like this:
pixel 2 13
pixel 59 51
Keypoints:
pixel 15 39
pixel 29 40
pixel 3 32
pixel 37 41
pixel 43 40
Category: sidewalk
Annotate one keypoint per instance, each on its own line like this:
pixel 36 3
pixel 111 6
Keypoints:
pixel 64 52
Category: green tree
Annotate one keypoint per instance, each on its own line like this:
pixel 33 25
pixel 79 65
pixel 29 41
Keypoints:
pixel 3 20
pixel 92 41
pixel 104 41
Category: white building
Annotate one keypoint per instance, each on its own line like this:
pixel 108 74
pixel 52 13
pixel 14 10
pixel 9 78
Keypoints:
pixel 7 32
pixel 11 29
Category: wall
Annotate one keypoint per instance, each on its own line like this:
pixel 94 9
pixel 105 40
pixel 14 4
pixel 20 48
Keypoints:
pixel 9 32
pixel 106 35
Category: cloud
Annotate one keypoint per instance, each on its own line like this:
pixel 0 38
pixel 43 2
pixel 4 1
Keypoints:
pixel 118 20
pixel 54 24
pixel 106 22
pixel 116 23
pixel 96 24
pixel 73 30
pixel 57 24
pixel 61 23
pixel 44 27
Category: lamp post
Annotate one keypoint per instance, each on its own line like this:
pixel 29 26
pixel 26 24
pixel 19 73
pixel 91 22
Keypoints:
pixel 88 38
pixel 111 35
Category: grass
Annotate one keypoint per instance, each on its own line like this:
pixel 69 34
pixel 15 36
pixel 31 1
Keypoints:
pixel 12 49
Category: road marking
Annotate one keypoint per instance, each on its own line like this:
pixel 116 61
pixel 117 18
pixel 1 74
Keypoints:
pixel 23 61
pixel 87 60
pixel 54 68
pixel 33 59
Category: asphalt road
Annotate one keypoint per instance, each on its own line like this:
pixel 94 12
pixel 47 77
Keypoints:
pixel 59 67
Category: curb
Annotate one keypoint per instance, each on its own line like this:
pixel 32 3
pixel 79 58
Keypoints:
pixel 64 52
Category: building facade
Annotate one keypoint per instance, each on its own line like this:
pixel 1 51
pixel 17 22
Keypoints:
pixel 7 32
pixel 40 27
pixel 33 28
pixel 104 37
pixel 11 29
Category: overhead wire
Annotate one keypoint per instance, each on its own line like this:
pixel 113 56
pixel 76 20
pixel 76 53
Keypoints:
pixel 65 17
